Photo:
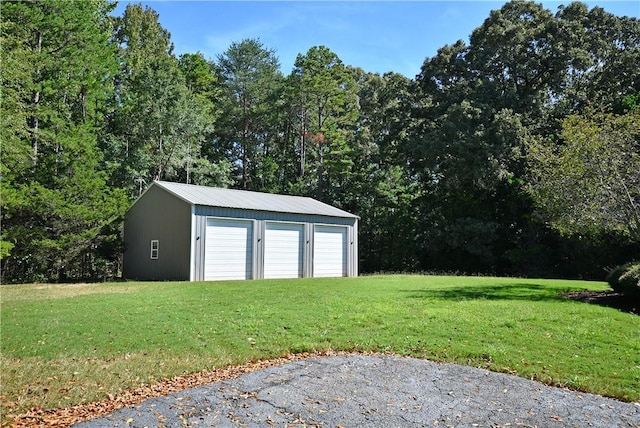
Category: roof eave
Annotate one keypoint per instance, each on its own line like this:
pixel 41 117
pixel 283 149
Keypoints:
pixel 277 211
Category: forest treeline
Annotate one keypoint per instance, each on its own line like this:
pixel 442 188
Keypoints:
pixel 516 153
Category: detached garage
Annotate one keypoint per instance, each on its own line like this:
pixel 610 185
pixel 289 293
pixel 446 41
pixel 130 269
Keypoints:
pixel 184 232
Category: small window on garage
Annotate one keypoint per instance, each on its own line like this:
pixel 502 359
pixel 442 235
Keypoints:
pixel 155 245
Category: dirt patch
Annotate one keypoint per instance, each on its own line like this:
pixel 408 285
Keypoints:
pixel 610 299
pixel 21 292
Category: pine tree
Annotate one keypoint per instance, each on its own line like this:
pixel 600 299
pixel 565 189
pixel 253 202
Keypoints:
pixel 57 211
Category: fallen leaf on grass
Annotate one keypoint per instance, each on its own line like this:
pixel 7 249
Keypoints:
pixel 66 416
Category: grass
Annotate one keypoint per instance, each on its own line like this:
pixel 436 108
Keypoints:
pixel 68 344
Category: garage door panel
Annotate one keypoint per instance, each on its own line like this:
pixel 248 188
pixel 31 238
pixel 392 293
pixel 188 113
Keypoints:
pixel 283 250
pixel 329 251
pixel 228 249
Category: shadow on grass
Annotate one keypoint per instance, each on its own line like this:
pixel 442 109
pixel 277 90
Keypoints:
pixel 528 292
pixel 516 291
pixel 610 299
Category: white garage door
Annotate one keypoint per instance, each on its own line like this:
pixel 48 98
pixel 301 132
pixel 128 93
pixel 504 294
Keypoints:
pixel 283 250
pixel 228 249
pixel 329 251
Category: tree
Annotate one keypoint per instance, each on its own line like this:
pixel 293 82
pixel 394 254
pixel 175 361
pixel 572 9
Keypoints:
pixel 523 71
pixel 589 182
pixel 327 110
pixel 201 77
pixel 602 51
pixel 464 159
pixel 158 125
pixel 57 211
pixel 202 165
pixel 517 54
pixel 381 189
pixel 252 86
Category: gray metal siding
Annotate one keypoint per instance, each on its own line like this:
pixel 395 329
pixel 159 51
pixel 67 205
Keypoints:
pixel 204 211
pixel 353 251
pixel 307 262
pixel 158 215
pixel 258 240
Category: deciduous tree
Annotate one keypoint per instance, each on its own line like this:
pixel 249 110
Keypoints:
pixel 158 125
pixel 589 182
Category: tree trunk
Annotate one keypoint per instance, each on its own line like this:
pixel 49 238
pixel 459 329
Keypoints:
pixel 319 140
pixel 35 124
pixel 303 135
pixel 244 143
pixel 245 133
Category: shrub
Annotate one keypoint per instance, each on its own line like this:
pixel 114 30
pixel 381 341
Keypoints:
pixel 613 277
pixel 625 279
pixel 630 279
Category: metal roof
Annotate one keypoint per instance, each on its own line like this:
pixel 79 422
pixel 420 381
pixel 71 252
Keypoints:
pixel 242 199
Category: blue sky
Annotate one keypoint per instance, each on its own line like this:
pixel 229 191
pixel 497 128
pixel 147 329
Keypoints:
pixel 378 36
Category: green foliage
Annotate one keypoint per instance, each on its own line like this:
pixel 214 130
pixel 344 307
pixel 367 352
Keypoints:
pixel 325 98
pixel 630 279
pixel 5 249
pixel 201 78
pixel 246 133
pixel 601 50
pixel 496 158
pixel 626 279
pixel 613 277
pixel 517 53
pixel 478 106
pixel 589 182
pixel 159 124
pixel 55 201
pixel 631 102
pixel 381 189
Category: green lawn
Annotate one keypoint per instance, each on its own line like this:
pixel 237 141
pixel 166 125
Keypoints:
pixel 67 344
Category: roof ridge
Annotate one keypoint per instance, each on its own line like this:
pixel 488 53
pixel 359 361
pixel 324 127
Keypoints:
pixel 236 190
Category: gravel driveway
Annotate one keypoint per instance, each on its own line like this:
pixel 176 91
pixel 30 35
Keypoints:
pixel 374 391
